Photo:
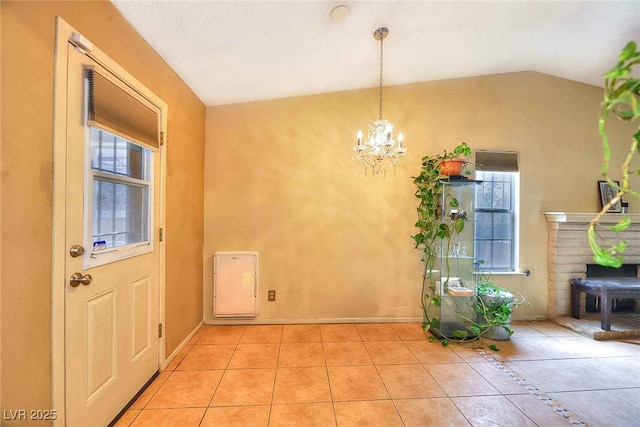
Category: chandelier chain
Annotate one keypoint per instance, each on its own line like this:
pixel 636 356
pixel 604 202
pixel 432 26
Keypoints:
pixel 380 95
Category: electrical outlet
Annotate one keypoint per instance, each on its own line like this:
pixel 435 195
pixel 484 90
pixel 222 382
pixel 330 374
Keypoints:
pixel 271 295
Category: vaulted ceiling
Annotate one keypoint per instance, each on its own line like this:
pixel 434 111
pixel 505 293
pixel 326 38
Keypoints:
pixel 240 51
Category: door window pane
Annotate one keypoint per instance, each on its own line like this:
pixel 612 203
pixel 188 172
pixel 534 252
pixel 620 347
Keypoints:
pixel 110 153
pixel 120 213
pixel 121 187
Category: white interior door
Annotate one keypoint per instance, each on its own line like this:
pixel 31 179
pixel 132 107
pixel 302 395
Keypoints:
pixel 111 310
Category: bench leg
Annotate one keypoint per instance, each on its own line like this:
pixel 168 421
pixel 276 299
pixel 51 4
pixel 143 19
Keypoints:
pixel 575 302
pixel 605 311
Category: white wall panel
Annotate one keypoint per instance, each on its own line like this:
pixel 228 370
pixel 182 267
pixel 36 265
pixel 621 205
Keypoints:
pixel 235 284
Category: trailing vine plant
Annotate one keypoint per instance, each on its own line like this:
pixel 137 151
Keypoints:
pixel 496 310
pixel 435 235
pixel 621 98
pixel 429 187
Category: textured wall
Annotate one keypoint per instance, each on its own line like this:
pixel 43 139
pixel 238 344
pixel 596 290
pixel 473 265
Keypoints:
pixel 28 34
pixel 335 244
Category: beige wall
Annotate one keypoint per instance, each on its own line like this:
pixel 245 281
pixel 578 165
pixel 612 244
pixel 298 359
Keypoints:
pixel 335 244
pixel 27 30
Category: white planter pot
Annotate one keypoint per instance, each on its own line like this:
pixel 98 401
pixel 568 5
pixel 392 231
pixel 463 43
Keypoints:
pixel 497 333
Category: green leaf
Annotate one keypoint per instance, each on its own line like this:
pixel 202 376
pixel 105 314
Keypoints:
pixel 629 52
pixel 494 347
pixel 458 225
pixel 619 248
pixel 625 114
pixel 454 202
pixel 616 72
pixel 432 338
pixel 607 260
pixel 445 342
pixel 435 323
pixel 460 334
pixel 623 224
pixel 419 238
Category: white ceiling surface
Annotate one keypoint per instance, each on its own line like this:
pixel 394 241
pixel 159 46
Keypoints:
pixel 238 51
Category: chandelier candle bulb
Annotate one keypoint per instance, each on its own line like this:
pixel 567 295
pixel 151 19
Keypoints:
pixel 359 137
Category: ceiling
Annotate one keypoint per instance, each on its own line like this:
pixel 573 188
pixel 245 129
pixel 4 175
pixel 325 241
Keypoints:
pixel 239 51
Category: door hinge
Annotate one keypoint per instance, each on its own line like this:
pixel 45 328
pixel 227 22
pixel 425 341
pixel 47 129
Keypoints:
pixel 161 137
pixel 159 330
pixel 161 235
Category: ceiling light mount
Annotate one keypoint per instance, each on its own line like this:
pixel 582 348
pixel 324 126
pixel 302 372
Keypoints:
pixel 379 151
pixel 381 33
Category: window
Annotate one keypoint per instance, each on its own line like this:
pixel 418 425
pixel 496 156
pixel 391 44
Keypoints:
pixel 120 172
pixel 496 211
pixel 122 139
pixel 121 177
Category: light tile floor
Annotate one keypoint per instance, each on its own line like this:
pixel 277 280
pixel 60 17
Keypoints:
pixel 391 375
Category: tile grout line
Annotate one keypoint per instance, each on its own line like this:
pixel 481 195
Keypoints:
pixel 393 401
pixel 275 376
pixel 144 407
pixel 224 371
pixel 326 368
pixel 572 418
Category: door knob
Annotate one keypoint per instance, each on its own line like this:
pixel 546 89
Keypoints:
pixel 77 279
pixel 76 251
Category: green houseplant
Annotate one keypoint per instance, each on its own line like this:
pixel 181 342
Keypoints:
pixel 452 163
pixel 622 100
pixel 494 306
pixel 432 230
pixel 488 313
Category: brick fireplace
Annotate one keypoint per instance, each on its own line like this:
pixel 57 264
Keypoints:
pixel 569 253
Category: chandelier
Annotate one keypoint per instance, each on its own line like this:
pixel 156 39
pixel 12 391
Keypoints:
pixel 378 151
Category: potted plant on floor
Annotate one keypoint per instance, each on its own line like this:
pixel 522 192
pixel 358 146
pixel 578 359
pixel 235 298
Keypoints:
pixel 494 306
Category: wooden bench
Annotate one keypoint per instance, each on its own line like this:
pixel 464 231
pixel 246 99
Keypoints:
pixel 607 288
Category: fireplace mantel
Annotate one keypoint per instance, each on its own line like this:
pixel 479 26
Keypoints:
pixel 586 217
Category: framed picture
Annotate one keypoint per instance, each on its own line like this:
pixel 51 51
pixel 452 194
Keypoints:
pixel 607 193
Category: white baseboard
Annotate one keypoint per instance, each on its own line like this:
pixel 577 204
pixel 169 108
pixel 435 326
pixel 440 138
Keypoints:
pixel 181 346
pixel 231 321
pixel 248 321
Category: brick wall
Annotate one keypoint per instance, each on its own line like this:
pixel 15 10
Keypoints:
pixel 569 254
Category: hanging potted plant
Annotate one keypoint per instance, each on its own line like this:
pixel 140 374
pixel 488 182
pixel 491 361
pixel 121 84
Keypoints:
pixel 621 100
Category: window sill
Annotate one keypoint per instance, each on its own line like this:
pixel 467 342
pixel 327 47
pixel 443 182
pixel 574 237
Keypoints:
pixel 524 272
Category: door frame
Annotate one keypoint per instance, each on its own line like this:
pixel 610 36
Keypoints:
pixel 64 34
